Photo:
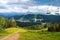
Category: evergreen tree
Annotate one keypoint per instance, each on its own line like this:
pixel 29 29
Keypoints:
pixel 6 23
pixel 13 22
pixel 54 27
pixel 2 23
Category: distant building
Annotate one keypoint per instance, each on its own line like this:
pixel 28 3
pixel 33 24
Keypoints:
pixel 36 20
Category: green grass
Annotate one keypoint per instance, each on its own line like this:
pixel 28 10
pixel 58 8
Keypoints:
pixel 39 35
pixel 31 34
pixel 3 33
pixel 10 31
pixel 7 31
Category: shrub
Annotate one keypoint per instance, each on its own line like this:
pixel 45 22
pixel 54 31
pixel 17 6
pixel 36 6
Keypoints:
pixel 54 27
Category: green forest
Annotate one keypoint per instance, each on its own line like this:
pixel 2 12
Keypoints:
pixel 8 23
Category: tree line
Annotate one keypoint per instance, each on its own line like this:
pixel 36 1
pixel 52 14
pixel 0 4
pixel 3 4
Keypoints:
pixel 6 23
pixel 55 27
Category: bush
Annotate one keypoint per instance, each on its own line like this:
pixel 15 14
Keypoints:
pixel 12 22
pixel 54 27
pixel 5 23
pixel 2 23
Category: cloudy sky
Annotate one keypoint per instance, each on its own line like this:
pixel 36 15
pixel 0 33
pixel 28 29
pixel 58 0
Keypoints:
pixel 24 6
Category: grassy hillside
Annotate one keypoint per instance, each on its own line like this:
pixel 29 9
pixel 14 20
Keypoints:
pixel 32 34
pixel 7 31
pixel 3 33
pixel 40 36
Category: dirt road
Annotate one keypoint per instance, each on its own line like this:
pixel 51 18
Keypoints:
pixel 14 36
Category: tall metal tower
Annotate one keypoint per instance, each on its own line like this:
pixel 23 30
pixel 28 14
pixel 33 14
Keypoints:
pixel 35 17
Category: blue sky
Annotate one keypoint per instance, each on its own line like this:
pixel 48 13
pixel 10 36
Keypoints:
pixel 24 6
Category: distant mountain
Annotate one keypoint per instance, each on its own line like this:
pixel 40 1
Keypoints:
pixel 9 15
pixel 18 16
pixel 46 18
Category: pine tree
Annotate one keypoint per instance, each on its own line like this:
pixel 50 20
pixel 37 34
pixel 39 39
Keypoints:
pixel 2 23
pixel 13 22
pixel 6 23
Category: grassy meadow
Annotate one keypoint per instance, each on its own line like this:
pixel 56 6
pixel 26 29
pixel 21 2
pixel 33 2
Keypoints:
pixel 35 32
pixel 7 31
pixel 31 34
pixel 40 36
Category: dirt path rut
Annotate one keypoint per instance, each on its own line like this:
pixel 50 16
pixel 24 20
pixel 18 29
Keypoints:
pixel 14 36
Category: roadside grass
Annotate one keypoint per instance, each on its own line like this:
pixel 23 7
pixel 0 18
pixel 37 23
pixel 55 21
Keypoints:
pixel 11 30
pixel 22 30
pixel 39 35
pixel 31 34
pixel 7 31
pixel 3 33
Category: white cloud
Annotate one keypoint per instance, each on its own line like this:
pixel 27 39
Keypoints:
pixel 25 8
pixel 43 9
pixel 24 0
pixel 3 1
